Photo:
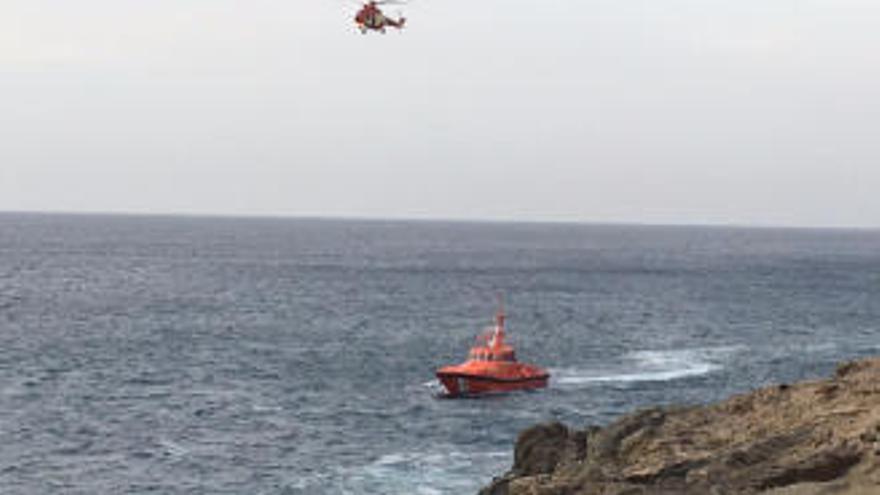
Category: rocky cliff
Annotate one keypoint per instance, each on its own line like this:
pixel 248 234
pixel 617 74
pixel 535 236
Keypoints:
pixel 811 438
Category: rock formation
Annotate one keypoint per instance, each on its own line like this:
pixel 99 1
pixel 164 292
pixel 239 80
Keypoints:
pixel 811 438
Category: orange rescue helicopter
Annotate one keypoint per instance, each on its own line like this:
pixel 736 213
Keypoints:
pixel 371 18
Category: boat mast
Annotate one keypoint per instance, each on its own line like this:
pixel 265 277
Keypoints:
pixel 498 338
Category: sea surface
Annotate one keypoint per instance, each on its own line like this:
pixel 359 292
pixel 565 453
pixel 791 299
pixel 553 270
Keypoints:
pixel 179 355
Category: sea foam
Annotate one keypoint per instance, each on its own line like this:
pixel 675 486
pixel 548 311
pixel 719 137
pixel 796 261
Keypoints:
pixel 647 366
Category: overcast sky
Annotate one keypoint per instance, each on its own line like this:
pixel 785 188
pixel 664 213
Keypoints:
pixel 655 111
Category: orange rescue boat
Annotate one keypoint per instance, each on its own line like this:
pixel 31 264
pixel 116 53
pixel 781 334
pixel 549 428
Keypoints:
pixel 491 367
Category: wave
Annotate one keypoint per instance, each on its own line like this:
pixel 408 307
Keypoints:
pixel 415 472
pixel 648 366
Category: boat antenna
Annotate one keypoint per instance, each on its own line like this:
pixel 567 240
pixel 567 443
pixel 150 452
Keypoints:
pixel 498 337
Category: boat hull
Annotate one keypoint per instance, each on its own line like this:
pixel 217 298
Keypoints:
pixel 457 384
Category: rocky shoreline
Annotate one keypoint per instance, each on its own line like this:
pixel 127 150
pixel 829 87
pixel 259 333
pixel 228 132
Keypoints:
pixel 811 438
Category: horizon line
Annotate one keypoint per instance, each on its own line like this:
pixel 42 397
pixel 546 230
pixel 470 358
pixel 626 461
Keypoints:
pixel 440 219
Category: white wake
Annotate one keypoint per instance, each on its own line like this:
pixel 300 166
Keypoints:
pixel 647 366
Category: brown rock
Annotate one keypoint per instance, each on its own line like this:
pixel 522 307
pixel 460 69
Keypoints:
pixel 809 438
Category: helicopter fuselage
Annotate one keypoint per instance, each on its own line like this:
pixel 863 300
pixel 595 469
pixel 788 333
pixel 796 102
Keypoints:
pixel 370 17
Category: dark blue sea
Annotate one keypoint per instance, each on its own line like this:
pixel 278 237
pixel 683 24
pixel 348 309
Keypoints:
pixel 179 355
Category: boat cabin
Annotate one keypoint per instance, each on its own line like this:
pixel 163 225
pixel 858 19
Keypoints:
pixel 505 354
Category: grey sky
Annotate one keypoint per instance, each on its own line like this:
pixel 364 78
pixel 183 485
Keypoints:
pixel 672 111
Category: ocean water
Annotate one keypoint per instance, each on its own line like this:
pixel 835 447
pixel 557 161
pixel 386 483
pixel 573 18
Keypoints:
pixel 276 356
